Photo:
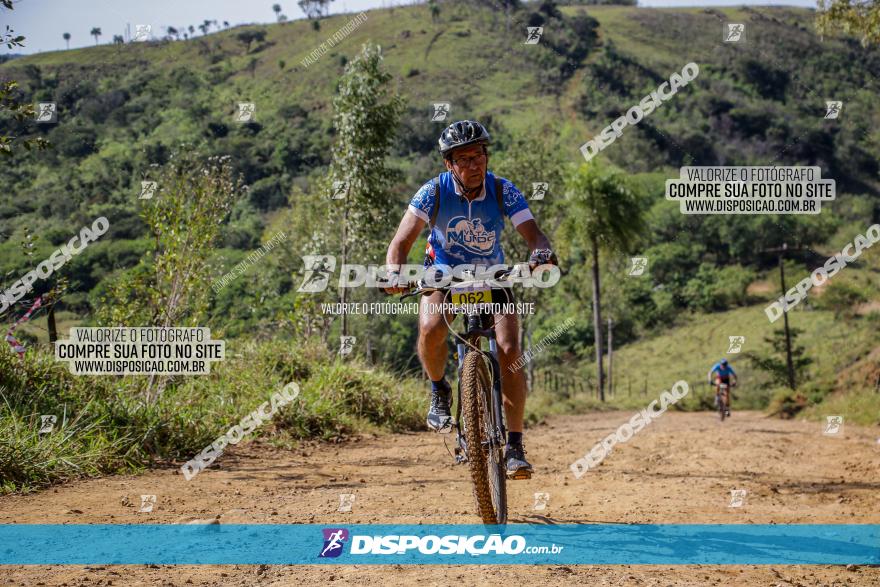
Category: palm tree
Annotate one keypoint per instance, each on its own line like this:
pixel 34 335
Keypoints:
pixel 192 30
pixel 67 39
pixel 603 213
pixel 276 8
pixel 96 32
pixel 173 32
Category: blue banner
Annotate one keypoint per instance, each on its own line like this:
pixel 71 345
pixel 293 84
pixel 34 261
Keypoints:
pixel 521 544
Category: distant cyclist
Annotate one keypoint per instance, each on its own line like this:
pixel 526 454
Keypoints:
pixel 722 372
pixel 464 210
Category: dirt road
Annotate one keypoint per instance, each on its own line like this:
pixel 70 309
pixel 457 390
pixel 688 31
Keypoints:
pixel 681 469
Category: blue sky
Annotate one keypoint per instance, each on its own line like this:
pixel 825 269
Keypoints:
pixel 44 21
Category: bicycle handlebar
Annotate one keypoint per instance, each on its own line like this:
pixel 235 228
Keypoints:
pixel 418 288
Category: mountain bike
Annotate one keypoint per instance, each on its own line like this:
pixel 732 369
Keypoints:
pixel 722 399
pixel 479 417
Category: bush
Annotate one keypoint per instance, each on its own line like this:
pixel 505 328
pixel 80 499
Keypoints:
pixel 104 426
pixel 786 403
pixel 842 298
pixel 718 289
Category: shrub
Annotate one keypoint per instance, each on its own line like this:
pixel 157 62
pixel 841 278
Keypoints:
pixel 718 289
pixel 842 297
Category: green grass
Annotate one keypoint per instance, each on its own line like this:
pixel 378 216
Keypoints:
pixel 104 426
pixel 857 407
pixel 688 350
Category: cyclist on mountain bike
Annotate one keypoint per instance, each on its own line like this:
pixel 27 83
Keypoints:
pixel 465 209
pixel 723 372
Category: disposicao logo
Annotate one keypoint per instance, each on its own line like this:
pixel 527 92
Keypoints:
pixel 334 541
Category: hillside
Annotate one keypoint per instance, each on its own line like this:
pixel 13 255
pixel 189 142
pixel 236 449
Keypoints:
pixel 125 109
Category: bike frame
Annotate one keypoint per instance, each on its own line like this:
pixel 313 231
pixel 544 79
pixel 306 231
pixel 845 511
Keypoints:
pixel 722 390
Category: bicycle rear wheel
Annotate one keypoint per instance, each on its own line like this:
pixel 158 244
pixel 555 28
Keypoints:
pixel 486 461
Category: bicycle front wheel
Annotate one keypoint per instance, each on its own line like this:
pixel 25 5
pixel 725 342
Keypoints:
pixel 485 458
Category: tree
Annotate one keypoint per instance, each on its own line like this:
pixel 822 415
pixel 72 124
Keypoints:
pixel 9 37
pixel 66 37
pixel 855 17
pixel 603 212
pixel 10 100
pixel 252 66
pixel 169 287
pixel 96 32
pixel 191 29
pixel 225 24
pixel 118 40
pixel 366 115
pixel 435 10
pixel 843 298
pixel 247 37
pixel 276 8
pixel 531 157
pixel 51 290
pixel 776 365
pixel 314 9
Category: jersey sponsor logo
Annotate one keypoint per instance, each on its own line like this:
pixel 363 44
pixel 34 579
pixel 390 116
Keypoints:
pixel 470 234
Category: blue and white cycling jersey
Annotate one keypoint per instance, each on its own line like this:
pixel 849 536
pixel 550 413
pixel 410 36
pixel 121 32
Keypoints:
pixel 468 232
pixel 722 371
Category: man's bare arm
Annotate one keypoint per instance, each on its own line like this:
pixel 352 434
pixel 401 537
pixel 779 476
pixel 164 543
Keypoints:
pixel 533 235
pixel 398 251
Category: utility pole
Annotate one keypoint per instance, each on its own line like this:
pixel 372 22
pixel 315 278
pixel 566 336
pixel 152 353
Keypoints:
pixel 50 323
pixel 785 318
pixel 610 360
pixel 789 363
pixel 597 322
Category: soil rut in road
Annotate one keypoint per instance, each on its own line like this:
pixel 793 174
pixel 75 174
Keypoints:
pixel 680 469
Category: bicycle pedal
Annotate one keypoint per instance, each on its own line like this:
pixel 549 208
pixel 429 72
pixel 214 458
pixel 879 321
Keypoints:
pixel 520 475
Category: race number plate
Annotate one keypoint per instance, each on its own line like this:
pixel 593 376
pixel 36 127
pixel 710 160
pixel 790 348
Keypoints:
pixel 469 294
pixel 472 297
